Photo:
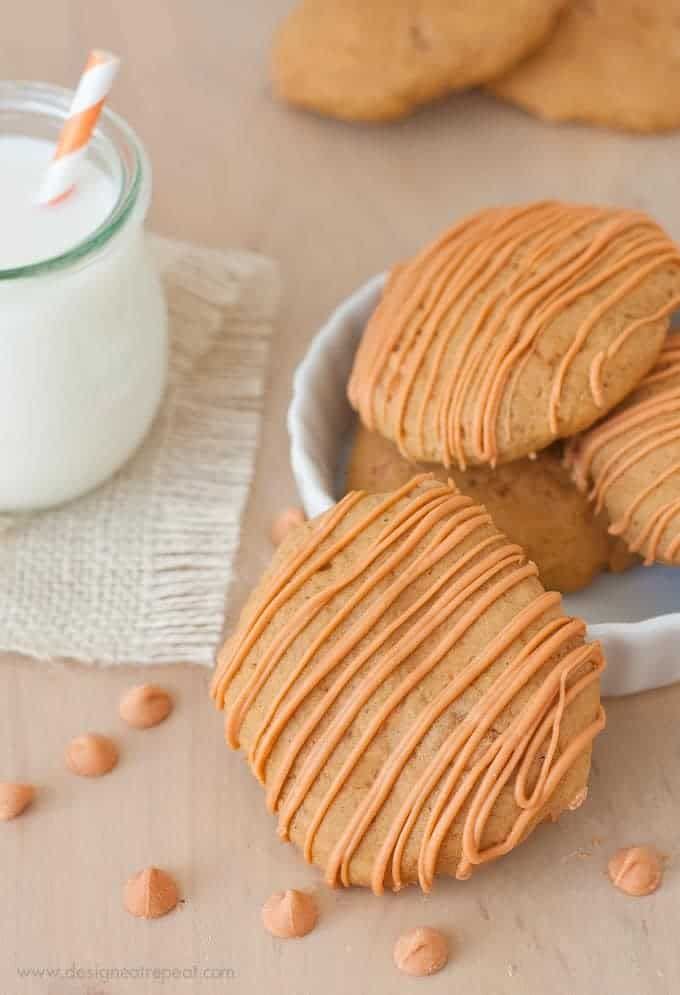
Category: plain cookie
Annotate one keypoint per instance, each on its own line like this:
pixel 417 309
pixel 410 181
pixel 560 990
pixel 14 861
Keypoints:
pixel 609 62
pixel 410 697
pixel 534 502
pixel 517 327
pixel 632 461
pixel 373 60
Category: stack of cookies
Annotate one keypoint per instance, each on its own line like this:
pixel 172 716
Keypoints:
pixel 517 329
pixel 610 62
pixel 411 697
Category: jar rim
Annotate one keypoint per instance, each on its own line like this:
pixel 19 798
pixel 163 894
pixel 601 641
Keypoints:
pixel 48 98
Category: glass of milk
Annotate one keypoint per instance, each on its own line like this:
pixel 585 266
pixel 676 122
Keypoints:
pixel 83 328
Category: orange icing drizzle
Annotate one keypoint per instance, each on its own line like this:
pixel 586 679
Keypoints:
pixel 645 425
pixel 474 762
pixel 430 298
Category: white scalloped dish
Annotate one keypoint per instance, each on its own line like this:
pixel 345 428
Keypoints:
pixel 636 614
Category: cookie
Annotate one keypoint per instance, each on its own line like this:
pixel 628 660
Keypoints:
pixel 608 62
pixel 534 502
pixel 374 60
pixel 516 327
pixel 632 460
pixel 411 698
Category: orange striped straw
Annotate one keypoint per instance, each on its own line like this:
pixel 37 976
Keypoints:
pixel 93 88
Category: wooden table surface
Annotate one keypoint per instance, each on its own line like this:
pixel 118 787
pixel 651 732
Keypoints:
pixel 333 204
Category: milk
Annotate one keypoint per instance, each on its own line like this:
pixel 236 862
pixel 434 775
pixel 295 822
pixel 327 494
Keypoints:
pixel 31 232
pixel 83 348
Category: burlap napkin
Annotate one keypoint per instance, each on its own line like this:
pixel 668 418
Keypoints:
pixel 137 572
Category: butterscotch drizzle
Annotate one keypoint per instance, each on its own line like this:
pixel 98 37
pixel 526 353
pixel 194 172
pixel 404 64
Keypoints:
pixel 426 524
pixel 450 308
pixel 648 424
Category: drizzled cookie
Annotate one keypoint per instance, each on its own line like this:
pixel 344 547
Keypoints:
pixel 410 697
pixel 516 327
pixel 632 462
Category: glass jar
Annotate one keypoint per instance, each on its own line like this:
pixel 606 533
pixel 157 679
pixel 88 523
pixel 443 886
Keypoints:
pixel 83 335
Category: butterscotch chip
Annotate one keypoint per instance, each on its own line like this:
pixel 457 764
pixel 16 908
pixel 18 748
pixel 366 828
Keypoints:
pixel 609 62
pixel 421 951
pixel 517 327
pixel 374 60
pixel 412 700
pixel 534 502
pixel 145 705
pixel 91 755
pixel 14 798
pixel 289 914
pixel 287 520
pixel 151 893
pixel 636 870
pixel 631 460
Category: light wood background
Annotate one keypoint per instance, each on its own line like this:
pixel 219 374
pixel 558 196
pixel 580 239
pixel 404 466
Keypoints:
pixel 333 204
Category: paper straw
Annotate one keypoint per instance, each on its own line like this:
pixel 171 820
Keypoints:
pixel 94 86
